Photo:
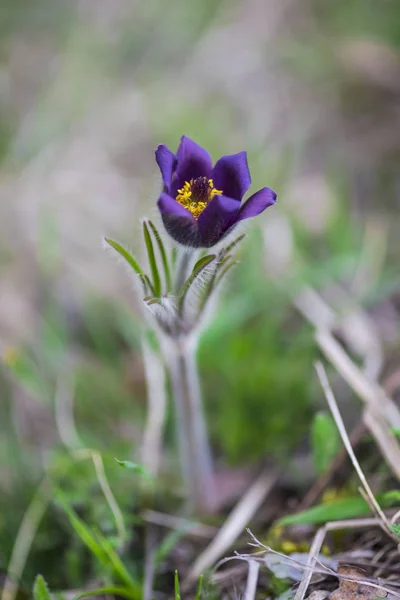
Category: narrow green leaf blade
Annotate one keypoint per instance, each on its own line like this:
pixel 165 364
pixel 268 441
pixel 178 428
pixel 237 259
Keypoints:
pixel 177 589
pixel 325 441
pixel 199 589
pixel 85 534
pixel 112 590
pixel 152 260
pixel 197 269
pixel 117 565
pixel 125 255
pixel 40 589
pixel 224 272
pixel 345 508
pixel 234 243
pixel 135 467
pixel 163 255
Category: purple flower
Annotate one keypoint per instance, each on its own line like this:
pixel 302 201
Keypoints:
pixel 200 203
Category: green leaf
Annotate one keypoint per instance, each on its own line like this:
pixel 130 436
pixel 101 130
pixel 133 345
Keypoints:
pixel 177 589
pixel 234 243
pixel 163 254
pixel 149 285
pixel 135 467
pixel 395 529
pixel 346 508
pixel 200 587
pixel 40 589
pixel 325 441
pixel 197 269
pixel 152 260
pixel 109 591
pixel 117 565
pixel 392 497
pixel 225 271
pixel 125 255
pixel 100 547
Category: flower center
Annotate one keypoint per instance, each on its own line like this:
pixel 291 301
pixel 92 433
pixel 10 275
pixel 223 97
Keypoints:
pixel 196 194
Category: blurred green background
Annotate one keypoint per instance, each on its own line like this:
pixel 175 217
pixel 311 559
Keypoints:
pixel 87 90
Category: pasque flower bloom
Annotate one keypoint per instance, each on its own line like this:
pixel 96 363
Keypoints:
pixel 200 203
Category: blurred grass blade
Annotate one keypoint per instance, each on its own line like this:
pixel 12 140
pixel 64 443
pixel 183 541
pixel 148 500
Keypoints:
pixel 100 548
pixel 197 269
pixel 169 543
pixel 40 589
pixel 325 441
pixel 152 260
pixel 109 591
pixel 177 589
pixel 126 256
pixel 117 564
pixel 163 254
pixel 200 587
pixel 84 532
pixel 346 508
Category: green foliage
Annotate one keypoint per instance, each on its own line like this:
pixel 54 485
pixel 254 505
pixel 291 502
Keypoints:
pixel 156 280
pixel 111 590
pixel 325 441
pixel 198 268
pixel 40 589
pixel 102 550
pixel 346 508
pixel 395 529
pixel 135 467
pixel 176 586
pixel 258 393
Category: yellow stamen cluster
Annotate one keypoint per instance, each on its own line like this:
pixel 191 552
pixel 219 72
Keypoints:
pixel 196 194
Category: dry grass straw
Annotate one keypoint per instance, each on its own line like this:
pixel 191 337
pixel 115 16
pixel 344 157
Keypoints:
pixel 381 518
pixel 235 523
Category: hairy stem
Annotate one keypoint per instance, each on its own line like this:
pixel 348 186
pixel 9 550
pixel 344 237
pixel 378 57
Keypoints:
pixel 195 454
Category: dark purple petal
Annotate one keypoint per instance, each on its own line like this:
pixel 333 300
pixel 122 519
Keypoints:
pixel 166 161
pixel 231 175
pixel 257 203
pixel 192 162
pixel 179 222
pixel 216 219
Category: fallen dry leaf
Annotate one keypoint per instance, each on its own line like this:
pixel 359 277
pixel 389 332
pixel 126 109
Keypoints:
pixel 354 590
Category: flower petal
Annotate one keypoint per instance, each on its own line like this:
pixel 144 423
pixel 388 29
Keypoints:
pixel 179 222
pixel 192 161
pixel 257 203
pixel 231 175
pixel 166 161
pixel 216 219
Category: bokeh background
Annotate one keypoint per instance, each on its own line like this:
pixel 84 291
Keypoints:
pixel 88 88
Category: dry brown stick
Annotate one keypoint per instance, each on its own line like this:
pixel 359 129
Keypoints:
pixel 381 412
pixel 330 398
pixel 368 391
pixel 192 528
pixel 390 385
pixel 235 523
